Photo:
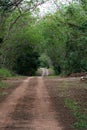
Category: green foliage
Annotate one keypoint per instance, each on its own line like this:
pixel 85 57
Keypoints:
pixel 5 5
pixel 72 105
pixel 51 72
pixel 38 72
pixel 81 123
pixel 26 62
pixel 63 39
pixel 19 49
pixel 5 73
pixel 44 61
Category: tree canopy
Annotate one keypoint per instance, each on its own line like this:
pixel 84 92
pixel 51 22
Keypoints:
pixel 58 40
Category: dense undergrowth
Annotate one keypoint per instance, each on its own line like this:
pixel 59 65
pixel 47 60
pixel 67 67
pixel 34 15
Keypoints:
pixel 5 73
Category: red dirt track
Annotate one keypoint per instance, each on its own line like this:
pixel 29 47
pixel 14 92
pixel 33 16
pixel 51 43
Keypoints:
pixel 31 106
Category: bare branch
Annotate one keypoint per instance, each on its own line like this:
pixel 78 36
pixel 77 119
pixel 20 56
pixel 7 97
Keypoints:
pixel 15 3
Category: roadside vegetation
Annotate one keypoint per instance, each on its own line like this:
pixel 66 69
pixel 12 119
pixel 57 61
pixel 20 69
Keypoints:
pixel 69 98
pixel 7 86
pixel 3 86
pixel 76 110
pixel 5 73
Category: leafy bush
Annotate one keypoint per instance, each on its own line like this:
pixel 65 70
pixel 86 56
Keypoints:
pixel 51 72
pixel 38 72
pixel 26 62
pixel 5 73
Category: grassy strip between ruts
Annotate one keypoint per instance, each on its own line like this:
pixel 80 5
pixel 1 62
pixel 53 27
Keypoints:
pixel 81 123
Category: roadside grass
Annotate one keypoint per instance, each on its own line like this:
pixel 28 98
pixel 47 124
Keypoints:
pixel 19 77
pixel 74 106
pixel 52 76
pixel 5 73
pixel 83 85
pixel 81 123
pixel 8 85
pixel 4 85
pixel 73 93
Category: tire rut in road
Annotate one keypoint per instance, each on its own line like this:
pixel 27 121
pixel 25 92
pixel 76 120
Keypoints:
pixel 22 116
pixel 9 104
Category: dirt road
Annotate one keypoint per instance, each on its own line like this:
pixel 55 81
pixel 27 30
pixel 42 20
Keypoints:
pixel 29 107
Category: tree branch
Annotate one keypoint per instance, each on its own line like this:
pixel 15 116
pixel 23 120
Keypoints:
pixel 21 14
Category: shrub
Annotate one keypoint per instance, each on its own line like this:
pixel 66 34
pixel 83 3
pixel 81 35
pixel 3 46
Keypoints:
pixel 5 73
